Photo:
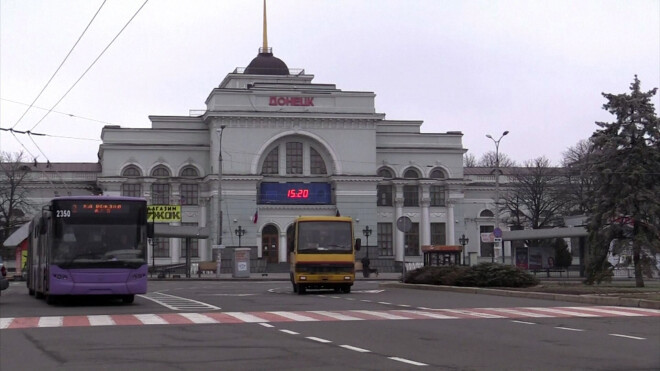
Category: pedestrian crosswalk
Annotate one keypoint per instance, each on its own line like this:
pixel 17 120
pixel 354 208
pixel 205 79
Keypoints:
pixel 316 316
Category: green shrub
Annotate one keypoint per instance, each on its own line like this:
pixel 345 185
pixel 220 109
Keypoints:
pixel 482 275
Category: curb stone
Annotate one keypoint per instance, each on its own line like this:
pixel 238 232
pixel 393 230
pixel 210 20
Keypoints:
pixel 586 299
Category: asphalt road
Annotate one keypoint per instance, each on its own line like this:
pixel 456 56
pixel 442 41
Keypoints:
pixel 261 325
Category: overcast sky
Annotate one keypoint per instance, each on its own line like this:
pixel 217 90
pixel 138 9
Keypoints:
pixel 535 68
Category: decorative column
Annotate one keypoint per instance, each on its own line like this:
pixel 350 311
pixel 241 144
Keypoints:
pixel 451 225
pixel 399 237
pixel 283 252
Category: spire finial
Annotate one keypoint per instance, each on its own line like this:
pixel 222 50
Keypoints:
pixel 265 47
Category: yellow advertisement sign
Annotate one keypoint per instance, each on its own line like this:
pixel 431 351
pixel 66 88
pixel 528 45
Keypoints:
pixel 164 213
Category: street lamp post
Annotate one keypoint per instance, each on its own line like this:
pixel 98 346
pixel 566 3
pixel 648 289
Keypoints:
pixel 240 232
pixel 497 187
pixel 219 237
pixel 463 241
pixel 367 232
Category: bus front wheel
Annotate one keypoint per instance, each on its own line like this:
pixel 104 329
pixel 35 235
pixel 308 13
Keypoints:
pixel 301 289
pixel 128 299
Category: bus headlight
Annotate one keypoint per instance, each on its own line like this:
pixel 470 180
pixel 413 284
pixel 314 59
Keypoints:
pixel 61 276
pixel 303 278
pixel 347 278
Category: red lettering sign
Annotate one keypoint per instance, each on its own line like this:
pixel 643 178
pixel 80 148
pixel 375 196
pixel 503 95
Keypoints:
pixel 291 101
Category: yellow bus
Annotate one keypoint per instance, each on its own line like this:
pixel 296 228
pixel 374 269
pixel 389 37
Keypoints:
pixel 322 253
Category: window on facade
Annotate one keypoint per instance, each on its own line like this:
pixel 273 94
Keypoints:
pixel 437 174
pixel 385 239
pixel 160 194
pixel 411 240
pixel 271 162
pixel 316 163
pixel 384 193
pixel 131 171
pixel 410 195
pixel 486 248
pixel 385 173
pixel 131 190
pixel 189 194
pixel 294 158
pixel 194 244
pixel 411 174
pixel 486 214
pixel 160 171
pixel 161 247
pixel 437 194
pixel 190 172
pixel 438 234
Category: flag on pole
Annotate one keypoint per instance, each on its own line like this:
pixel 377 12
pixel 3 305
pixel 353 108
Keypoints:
pixel 256 216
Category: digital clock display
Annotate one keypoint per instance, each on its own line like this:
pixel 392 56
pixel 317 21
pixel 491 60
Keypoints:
pixel 295 193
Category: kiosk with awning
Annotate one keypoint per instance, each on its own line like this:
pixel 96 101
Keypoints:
pixel 438 255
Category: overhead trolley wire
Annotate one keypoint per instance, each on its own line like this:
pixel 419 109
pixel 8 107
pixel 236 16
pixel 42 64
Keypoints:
pixel 60 66
pixel 91 65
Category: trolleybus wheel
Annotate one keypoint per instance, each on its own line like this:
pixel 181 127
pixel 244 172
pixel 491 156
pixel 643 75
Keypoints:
pixel 128 299
pixel 301 289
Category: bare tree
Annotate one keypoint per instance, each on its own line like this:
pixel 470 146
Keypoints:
pixel 489 159
pixel 536 196
pixel 469 160
pixel 577 163
pixel 14 200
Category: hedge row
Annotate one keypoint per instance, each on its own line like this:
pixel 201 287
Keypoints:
pixel 481 275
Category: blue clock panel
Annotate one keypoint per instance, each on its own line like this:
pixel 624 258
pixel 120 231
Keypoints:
pixel 295 193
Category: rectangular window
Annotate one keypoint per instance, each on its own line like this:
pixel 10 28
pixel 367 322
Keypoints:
pixel 189 194
pixel 161 247
pixel 487 248
pixel 410 195
pixel 194 245
pixel 294 158
pixel 411 240
pixel 131 190
pixel 437 195
pixel 160 194
pixel 385 239
pixel 438 234
pixel 384 195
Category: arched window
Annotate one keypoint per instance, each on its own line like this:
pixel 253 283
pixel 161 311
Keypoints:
pixel 189 191
pixel 385 173
pixel 131 171
pixel 189 171
pixel 131 188
pixel 486 214
pixel 160 191
pixel 160 171
pixel 317 165
pixel 272 162
pixel 437 174
pixel 411 174
pixel 294 158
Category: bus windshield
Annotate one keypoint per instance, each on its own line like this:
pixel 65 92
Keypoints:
pixel 98 240
pixel 322 237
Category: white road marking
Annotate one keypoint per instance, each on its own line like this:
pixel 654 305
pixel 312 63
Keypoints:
pixel 472 313
pixel 267 325
pixel 407 361
pixel 55 321
pixel 5 322
pixel 101 320
pixel 608 311
pixel 198 318
pixel 563 311
pixel 379 314
pixel 568 328
pixel 524 322
pixel 150 319
pixel 246 317
pixel 177 302
pixel 428 314
pixel 350 347
pixel 290 332
pixel 318 339
pixel 519 312
pixel 294 316
pixel 339 316
pixel 628 337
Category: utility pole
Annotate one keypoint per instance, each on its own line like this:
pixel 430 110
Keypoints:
pixel 219 237
pixel 497 188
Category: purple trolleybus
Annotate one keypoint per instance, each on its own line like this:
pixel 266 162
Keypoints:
pixel 89 245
